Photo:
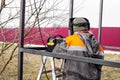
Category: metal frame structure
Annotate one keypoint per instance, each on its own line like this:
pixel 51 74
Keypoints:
pixel 39 51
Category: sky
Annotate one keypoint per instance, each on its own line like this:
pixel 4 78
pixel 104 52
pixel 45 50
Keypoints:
pixel 111 12
pixel 82 8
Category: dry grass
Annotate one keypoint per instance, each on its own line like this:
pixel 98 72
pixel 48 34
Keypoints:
pixel 111 73
pixel 32 65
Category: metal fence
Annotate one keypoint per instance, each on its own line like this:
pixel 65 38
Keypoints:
pixel 39 51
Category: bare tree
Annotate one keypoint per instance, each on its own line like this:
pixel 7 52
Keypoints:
pixel 2 5
pixel 38 12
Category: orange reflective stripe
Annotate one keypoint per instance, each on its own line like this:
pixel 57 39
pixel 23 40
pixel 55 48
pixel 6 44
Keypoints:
pixel 100 48
pixel 74 40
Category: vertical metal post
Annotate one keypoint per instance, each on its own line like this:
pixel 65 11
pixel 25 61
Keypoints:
pixel 21 42
pixel 71 16
pixel 100 21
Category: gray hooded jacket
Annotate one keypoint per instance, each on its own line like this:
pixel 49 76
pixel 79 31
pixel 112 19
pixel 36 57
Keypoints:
pixel 74 70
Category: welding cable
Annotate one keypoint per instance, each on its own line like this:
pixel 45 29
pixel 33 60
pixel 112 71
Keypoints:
pixel 37 13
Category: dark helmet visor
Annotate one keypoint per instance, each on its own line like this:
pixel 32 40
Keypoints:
pixel 81 24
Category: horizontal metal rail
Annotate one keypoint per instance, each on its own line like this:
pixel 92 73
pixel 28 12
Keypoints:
pixel 74 58
pixel 112 47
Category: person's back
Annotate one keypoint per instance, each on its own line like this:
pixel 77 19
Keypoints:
pixel 79 70
pixel 76 46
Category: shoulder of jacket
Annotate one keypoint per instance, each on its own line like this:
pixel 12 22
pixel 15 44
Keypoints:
pixel 70 37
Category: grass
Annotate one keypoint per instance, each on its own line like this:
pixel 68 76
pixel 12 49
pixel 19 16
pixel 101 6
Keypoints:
pixel 32 65
pixel 111 73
